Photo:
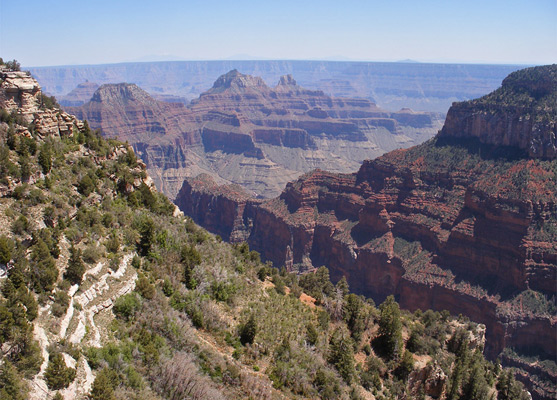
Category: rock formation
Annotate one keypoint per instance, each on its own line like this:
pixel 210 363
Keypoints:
pixel 526 120
pixel 21 94
pixel 244 132
pixel 457 223
pixel 425 87
pixel 80 95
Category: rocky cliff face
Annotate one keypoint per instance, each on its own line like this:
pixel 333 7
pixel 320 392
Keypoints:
pixel 245 132
pixel 520 114
pixel 451 224
pixel 21 94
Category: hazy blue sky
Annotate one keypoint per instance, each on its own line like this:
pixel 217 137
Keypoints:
pixel 105 31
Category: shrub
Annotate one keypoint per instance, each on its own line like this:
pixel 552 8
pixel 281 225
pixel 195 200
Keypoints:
pixel 76 268
pixel 86 185
pixel 58 375
pixel 248 331
pixel 126 306
pixel 20 225
pixel 92 253
pixel 144 288
pixel 6 249
pixel 61 303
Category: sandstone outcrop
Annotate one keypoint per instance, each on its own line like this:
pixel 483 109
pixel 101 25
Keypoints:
pixel 21 94
pixel 245 132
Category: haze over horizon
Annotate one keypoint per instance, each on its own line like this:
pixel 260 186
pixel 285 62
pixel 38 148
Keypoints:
pixel 68 33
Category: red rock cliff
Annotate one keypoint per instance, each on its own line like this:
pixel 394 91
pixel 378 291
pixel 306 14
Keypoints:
pixel 451 224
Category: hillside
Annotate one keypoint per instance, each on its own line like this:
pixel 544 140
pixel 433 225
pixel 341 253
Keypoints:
pixel 107 292
pixel 244 132
pixel 459 223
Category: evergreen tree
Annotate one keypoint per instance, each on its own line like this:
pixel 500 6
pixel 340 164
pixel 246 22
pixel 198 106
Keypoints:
pixel 43 271
pixel 342 285
pixel 405 367
pixel 476 387
pixel 76 267
pixel 58 375
pixel 190 257
pixel 389 341
pixel 45 158
pixel 508 388
pixel 102 388
pixel 6 248
pixel 341 355
pixel 147 236
pixel 248 331
pixel 12 385
pixel 354 316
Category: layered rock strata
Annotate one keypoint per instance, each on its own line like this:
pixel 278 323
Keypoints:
pixel 456 223
pixel 245 132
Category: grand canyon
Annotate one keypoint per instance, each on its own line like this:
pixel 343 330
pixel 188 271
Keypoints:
pixel 244 132
pixel 464 222
pixel 455 220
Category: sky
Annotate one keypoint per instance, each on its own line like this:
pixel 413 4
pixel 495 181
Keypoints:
pixel 64 32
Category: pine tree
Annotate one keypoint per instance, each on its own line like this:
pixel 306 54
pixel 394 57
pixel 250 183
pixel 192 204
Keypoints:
pixel 12 386
pixel 76 267
pixel 58 375
pixel 341 355
pixel 389 341
pixel 45 158
pixel 6 248
pixel 147 236
pixel 354 316
pixel 248 331
pixel 102 388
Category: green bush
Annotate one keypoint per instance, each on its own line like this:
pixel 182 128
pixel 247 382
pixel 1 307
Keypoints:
pixel 86 186
pixel 20 225
pixel 76 268
pixel 61 303
pixel 6 249
pixel 126 306
pixel 248 330
pixel 389 341
pixel 58 375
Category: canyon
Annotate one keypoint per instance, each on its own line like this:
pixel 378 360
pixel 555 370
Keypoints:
pixel 244 132
pixel 391 85
pixel 465 222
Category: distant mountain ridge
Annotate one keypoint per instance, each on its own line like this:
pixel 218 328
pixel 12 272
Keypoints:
pixel 425 87
pixel 243 131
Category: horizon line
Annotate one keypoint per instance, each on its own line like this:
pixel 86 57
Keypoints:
pixel 293 60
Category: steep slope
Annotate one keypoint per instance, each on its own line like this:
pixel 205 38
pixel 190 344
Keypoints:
pixel 109 293
pixel 458 223
pixel 245 132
